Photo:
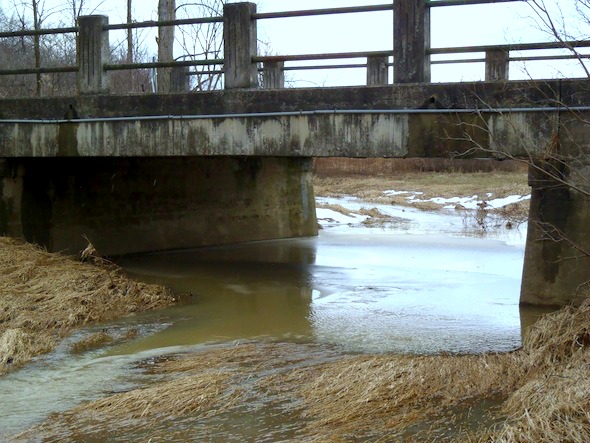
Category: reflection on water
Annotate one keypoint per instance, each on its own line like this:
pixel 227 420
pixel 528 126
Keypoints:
pixel 363 293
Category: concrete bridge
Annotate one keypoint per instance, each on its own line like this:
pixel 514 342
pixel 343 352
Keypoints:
pixel 136 173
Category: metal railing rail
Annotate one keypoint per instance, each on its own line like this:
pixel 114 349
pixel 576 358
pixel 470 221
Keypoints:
pixel 326 11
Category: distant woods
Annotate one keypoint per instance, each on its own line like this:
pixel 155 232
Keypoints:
pixel 193 42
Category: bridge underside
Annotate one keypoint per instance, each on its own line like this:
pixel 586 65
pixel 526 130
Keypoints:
pixel 154 172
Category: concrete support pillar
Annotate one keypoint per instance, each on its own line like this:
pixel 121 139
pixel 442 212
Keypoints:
pixel 93 53
pixel 180 80
pixel 377 70
pixel 411 41
pixel 557 256
pixel 240 45
pixel 273 75
pixel 497 62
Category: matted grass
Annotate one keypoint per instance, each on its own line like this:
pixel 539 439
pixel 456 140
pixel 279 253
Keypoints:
pixel 43 296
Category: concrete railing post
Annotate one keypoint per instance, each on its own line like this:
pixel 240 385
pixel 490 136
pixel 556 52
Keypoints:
pixel 411 41
pixel 377 70
pixel 179 79
pixel 273 75
pixel 497 62
pixel 93 53
pixel 240 45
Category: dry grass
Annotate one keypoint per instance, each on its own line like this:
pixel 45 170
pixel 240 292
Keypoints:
pixel 540 393
pixel 368 178
pixel 347 167
pixel 93 341
pixel 43 296
pixel 336 208
pixel 431 185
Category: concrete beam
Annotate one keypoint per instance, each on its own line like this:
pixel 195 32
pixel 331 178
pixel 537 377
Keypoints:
pixel 290 130
pixel 319 134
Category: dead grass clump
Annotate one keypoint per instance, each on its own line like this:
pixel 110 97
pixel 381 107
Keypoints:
pixel 373 213
pixel 514 211
pixel 45 295
pixel 17 347
pixel 93 341
pixel 560 340
pixel 181 396
pixel 336 208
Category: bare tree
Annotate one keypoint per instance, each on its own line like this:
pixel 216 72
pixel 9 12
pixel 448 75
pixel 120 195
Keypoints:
pixel 203 42
pixel 129 32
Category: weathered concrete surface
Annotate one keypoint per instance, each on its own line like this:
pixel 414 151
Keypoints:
pixel 148 204
pixel 557 257
pixel 336 130
pixel 329 134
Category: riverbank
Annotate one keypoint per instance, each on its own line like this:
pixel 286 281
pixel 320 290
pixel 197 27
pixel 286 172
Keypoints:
pixel 44 296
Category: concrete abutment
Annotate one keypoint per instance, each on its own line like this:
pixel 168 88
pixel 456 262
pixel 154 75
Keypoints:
pixel 149 204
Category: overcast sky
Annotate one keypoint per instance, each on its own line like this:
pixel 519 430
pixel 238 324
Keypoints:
pixel 450 26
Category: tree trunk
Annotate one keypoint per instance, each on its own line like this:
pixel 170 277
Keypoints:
pixel 37 43
pixel 129 34
pixel 166 11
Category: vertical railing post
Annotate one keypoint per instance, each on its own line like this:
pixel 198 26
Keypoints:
pixel 377 70
pixel 273 75
pixel 240 45
pixel 497 63
pixel 179 79
pixel 93 53
pixel 411 41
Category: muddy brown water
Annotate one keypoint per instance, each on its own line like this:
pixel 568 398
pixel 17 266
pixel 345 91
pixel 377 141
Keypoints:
pixel 356 292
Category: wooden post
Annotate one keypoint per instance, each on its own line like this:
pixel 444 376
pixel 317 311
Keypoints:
pixel 497 63
pixel 377 70
pixel 240 45
pixel 273 75
pixel 93 53
pixel 411 41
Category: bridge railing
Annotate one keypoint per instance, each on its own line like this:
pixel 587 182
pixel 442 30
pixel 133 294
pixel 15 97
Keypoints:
pixel 410 56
